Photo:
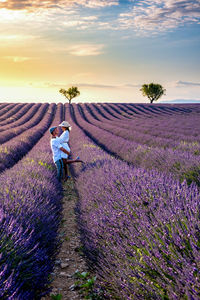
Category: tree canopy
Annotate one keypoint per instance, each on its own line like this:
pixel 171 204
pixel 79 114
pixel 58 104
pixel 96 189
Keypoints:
pixel 70 93
pixel 153 91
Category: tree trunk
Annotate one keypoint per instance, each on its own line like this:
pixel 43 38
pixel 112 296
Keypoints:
pixel 70 100
pixel 151 100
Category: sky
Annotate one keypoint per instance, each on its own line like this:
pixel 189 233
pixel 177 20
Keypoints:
pixel 107 48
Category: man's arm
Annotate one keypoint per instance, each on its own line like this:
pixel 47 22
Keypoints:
pixel 59 145
pixel 65 151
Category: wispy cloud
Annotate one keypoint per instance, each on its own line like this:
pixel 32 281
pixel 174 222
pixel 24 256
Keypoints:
pixel 79 22
pixel 186 83
pixel 141 16
pixel 30 5
pixel 160 15
pixel 86 85
pixel 86 49
pixel 90 18
pixel 64 15
pixel 15 37
pixel 17 59
pixel 97 3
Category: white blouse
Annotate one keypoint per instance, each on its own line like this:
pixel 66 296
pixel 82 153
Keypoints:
pixel 64 139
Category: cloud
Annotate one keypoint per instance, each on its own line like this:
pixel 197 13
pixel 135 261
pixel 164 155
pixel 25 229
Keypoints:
pixel 97 3
pixel 186 83
pixel 129 85
pixel 102 86
pixel 79 22
pixel 106 86
pixel 48 4
pixel 17 59
pixel 42 17
pixel 90 18
pixel 142 15
pixel 16 37
pixel 160 15
pixel 86 85
pixel 86 50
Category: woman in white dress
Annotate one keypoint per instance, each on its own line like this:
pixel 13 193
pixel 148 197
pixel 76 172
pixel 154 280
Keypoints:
pixel 64 139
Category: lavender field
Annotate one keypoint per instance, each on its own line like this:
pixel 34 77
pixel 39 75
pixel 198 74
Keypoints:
pixel 139 197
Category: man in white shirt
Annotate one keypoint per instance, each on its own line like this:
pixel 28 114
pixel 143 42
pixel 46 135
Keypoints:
pixel 64 139
pixel 57 149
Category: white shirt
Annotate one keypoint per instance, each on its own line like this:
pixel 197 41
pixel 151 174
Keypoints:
pixel 64 139
pixel 55 147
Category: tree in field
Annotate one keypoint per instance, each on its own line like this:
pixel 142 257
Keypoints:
pixel 153 91
pixel 70 93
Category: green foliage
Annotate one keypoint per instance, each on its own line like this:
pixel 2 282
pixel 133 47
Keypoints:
pixel 176 166
pixel 67 238
pixel 192 175
pixel 4 150
pixel 79 249
pixel 153 91
pixel 56 297
pixel 196 152
pixel 70 93
pixel 44 164
pixel 85 284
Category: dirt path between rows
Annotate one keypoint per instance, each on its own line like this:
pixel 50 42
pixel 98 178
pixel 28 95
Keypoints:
pixel 69 259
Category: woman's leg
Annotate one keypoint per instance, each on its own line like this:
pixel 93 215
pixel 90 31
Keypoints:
pixel 67 162
pixel 71 161
pixel 65 167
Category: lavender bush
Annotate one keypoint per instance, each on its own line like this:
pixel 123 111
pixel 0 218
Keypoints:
pixel 129 133
pixel 140 228
pixel 17 147
pixel 139 220
pixel 182 164
pixel 32 120
pixel 30 213
pixel 10 110
pixel 17 115
pixel 3 105
pixel 165 126
pixel 18 119
pixel 143 128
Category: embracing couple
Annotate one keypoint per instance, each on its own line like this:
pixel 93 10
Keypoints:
pixel 61 150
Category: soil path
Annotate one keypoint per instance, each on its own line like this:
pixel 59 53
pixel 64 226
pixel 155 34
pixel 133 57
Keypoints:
pixel 69 259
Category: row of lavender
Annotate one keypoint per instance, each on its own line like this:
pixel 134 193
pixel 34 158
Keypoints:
pixel 25 136
pixel 10 110
pixel 29 120
pixel 91 238
pixel 172 126
pixel 30 212
pixel 21 117
pixel 132 110
pixel 140 228
pixel 5 106
pixel 23 109
pixel 107 114
pixel 180 164
pixel 129 131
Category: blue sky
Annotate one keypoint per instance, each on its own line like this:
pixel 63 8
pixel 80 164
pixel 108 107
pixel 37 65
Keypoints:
pixel 107 48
